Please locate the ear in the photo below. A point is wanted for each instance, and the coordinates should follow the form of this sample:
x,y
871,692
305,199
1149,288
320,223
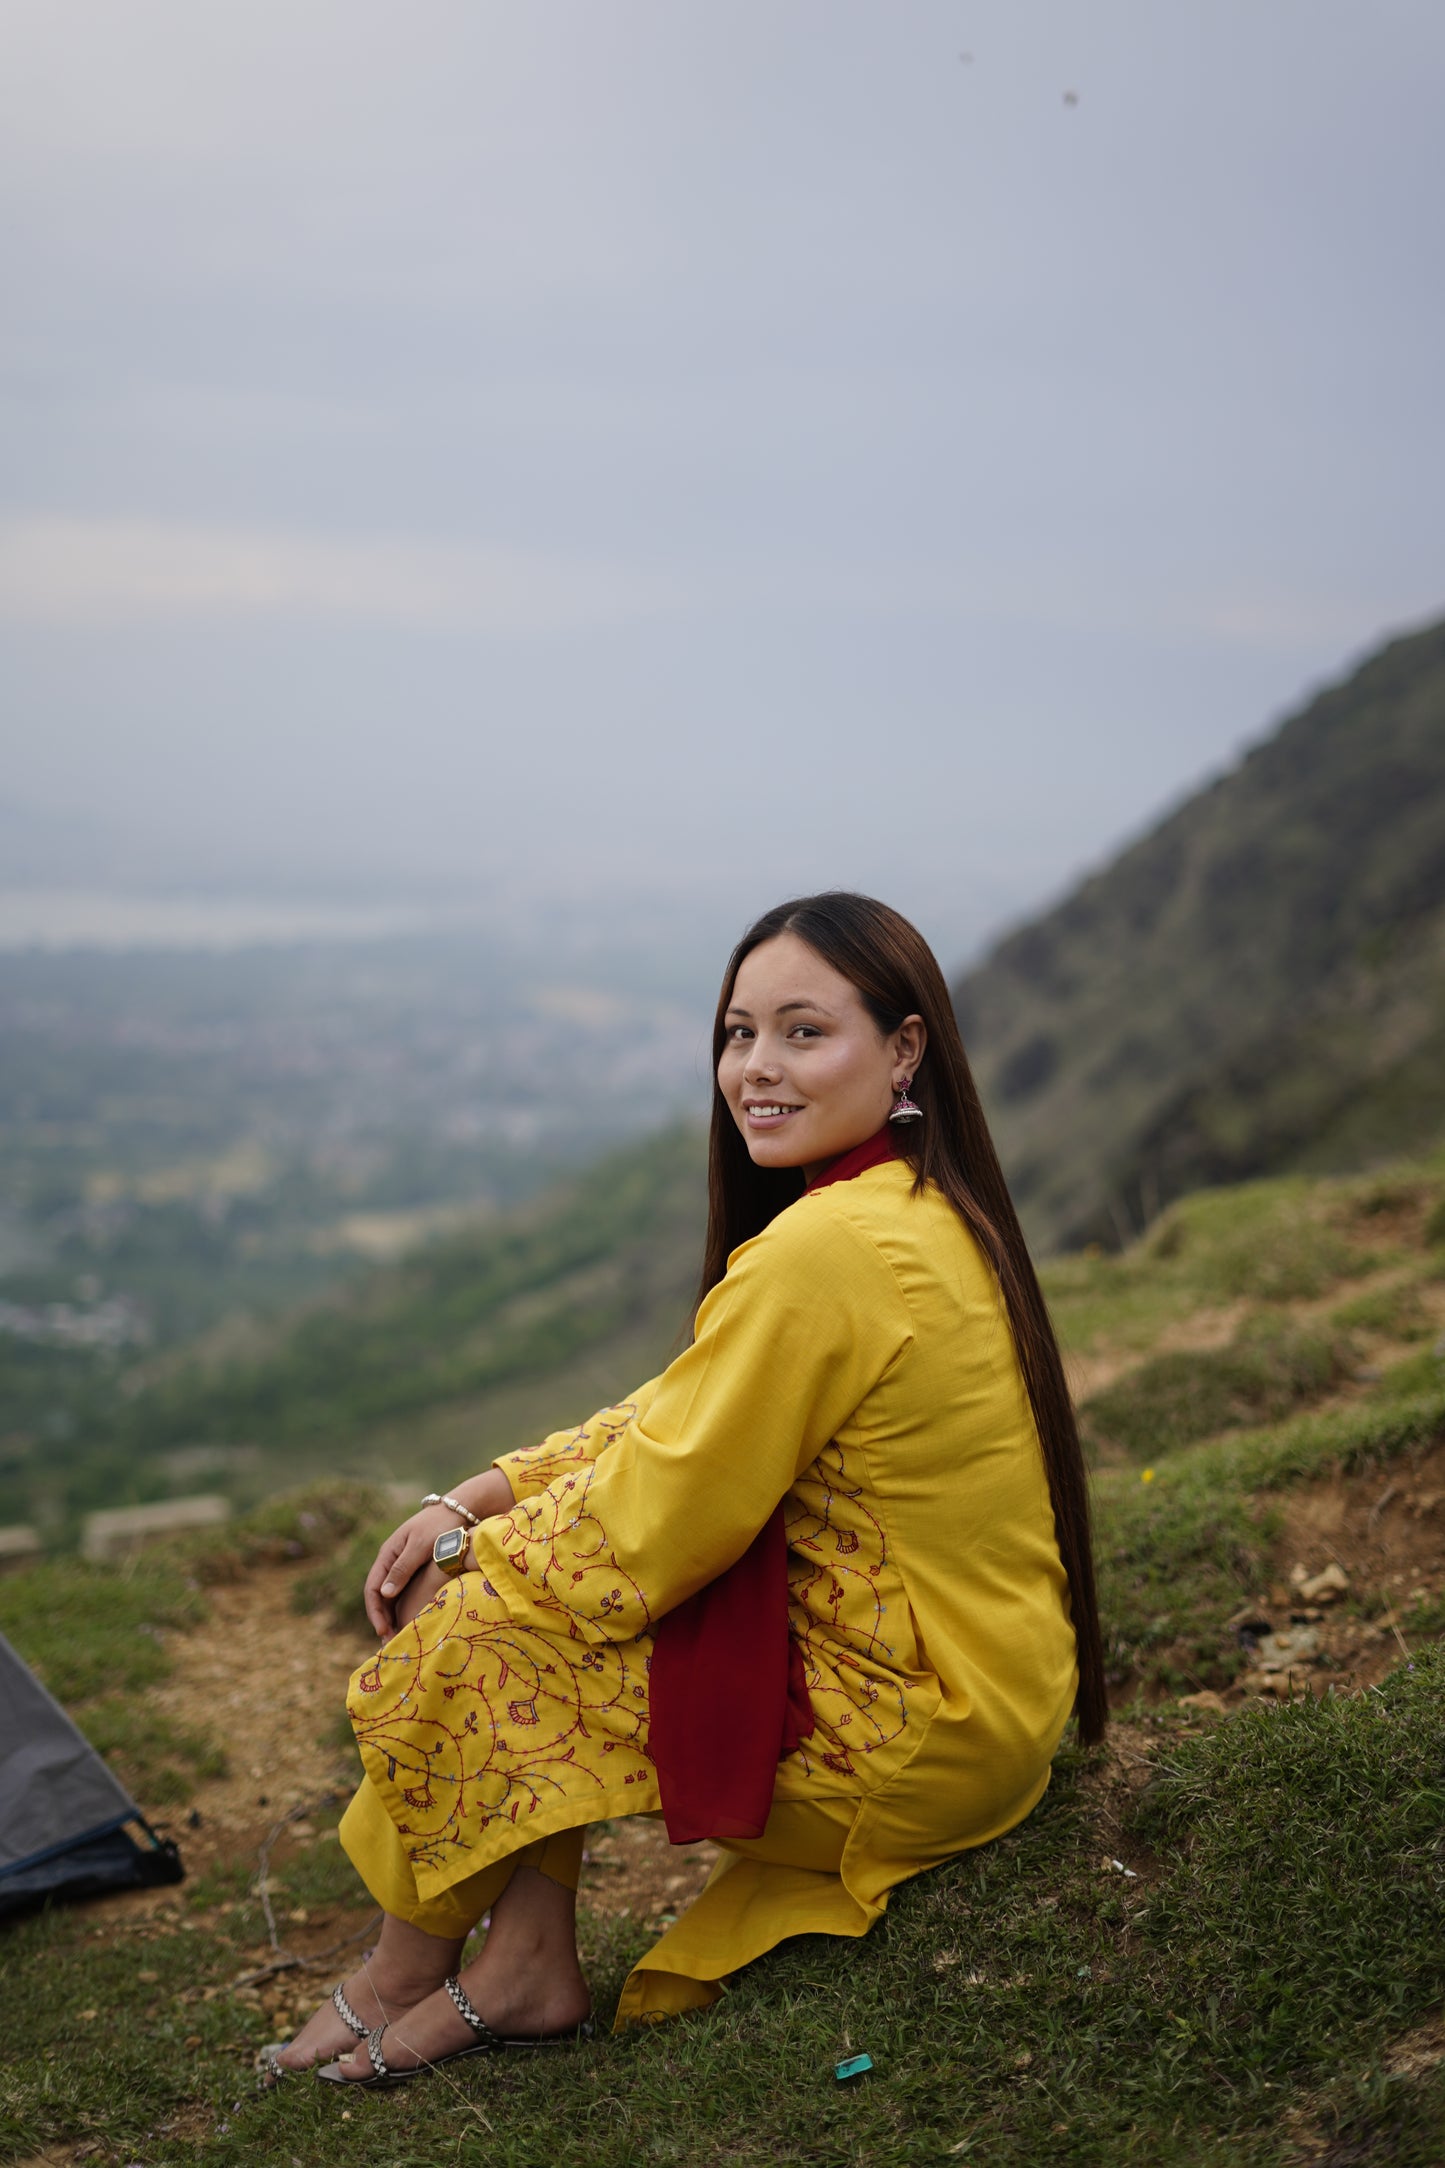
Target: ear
x,y
909,1043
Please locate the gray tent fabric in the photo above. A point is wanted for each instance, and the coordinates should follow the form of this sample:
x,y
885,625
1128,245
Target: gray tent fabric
x,y
61,1810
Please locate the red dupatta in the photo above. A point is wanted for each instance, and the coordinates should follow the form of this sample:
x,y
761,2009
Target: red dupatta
x,y
729,1697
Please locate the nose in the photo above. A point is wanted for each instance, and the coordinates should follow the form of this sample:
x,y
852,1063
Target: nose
x,y
759,1068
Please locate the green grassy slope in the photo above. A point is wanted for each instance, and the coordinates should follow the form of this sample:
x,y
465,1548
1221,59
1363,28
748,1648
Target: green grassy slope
x,y
1221,1940
1257,985
477,1342
1238,1982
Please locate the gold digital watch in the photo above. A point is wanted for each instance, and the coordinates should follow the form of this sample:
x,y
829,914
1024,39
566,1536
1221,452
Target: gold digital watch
x,y
449,1552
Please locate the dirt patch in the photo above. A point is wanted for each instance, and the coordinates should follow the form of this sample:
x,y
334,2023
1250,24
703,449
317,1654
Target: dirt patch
x,y
1419,2051
1201,1333
270,1683
1208,1329
1385,1530
1357,1584
632,1871
1415,2055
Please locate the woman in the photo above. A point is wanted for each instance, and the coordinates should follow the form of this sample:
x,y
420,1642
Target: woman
x,y
822,1591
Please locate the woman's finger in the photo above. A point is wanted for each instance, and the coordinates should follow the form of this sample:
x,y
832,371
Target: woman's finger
x,y
382,1563
412,1556
378,1608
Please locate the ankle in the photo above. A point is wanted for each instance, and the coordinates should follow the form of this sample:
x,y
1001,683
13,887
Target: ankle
x,y
392,1985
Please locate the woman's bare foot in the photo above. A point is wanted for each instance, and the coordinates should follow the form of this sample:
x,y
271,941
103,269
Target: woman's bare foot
x,y
436,2028
527,1984
403,1970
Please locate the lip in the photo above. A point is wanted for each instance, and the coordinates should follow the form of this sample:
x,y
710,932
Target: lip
x,y
757,1119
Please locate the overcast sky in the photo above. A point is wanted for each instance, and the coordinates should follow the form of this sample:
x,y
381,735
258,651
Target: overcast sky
x,y
671,451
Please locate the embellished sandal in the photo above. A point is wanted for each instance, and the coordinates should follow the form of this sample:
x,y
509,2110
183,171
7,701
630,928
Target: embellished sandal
x,y
270,2070
487,2042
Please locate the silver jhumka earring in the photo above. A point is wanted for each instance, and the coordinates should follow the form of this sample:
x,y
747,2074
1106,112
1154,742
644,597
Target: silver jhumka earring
x,y
903,1108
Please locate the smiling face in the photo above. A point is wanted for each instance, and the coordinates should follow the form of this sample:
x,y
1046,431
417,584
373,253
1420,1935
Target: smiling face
x,y
805,1071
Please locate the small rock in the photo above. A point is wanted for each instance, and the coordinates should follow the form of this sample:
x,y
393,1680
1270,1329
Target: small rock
x,y
1207,1699
1326,1586
1296,1645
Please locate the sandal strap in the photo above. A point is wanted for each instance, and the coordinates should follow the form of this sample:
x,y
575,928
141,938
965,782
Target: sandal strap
x,y
373,2049
479,2025
347,2015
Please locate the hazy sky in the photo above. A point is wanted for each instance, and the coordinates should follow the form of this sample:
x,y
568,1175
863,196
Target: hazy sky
x,y
687,451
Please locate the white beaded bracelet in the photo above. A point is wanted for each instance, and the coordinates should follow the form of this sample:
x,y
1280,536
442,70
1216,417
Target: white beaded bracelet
x,y
434,1498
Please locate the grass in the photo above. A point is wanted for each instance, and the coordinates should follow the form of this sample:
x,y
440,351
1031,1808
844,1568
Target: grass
x,y
1259,1246
1266,1371
91,1630
1028,2002
158,1760
1396,1312
96,1636
1282,1927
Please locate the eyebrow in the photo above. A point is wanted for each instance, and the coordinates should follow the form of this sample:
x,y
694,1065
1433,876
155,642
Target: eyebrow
x,y
784,1008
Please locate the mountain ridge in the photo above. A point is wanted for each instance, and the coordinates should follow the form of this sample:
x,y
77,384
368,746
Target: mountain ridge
x,y
1255,984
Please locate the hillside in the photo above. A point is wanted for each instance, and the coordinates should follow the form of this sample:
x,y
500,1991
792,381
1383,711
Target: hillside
x,y
1219,1939
483,1339
1257,985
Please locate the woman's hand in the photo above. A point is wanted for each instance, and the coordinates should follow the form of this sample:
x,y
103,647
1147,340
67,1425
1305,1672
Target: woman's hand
x,y
403,1577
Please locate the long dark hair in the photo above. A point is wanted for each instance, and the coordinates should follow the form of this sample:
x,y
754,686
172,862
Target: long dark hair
x,y
897,975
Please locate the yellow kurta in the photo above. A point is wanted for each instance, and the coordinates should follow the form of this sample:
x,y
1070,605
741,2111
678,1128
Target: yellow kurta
x,y
857,1362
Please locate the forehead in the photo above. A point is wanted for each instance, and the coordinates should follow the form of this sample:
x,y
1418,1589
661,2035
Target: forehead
x,y
785,969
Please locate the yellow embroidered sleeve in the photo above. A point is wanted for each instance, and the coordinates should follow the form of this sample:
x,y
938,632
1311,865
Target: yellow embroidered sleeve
x,y
533,1467
807,1320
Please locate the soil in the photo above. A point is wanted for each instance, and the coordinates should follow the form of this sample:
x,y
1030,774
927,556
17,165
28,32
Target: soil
x,y
1384,1529
1202,1332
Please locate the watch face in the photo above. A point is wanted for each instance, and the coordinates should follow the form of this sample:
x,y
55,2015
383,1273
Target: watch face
x,y
450,1545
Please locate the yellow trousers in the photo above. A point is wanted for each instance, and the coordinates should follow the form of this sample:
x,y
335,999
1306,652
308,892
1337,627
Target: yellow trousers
x,y
368,1836
807,1834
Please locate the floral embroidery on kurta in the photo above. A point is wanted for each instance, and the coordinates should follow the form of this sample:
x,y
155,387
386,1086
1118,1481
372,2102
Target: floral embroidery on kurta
x,y
842,1586
483,1721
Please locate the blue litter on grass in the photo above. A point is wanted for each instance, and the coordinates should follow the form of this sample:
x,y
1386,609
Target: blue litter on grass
x,y
854,2067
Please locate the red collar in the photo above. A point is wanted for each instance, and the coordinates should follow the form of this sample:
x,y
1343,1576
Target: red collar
x,y
872,1153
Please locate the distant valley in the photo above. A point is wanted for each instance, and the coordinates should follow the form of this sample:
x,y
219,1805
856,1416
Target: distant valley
x,y
381,1211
